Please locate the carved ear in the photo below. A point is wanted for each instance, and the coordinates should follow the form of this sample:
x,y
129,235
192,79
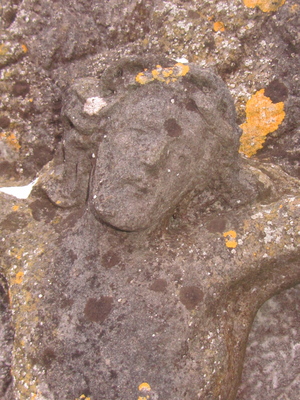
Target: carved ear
x,y
216,106
212,95
89,98
82,105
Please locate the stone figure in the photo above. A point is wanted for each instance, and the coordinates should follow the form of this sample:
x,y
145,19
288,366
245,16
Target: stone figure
x,y
164,244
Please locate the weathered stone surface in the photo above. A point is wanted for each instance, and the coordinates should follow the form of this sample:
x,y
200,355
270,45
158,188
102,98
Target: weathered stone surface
x,y
271,365
108,322
6,337
107,288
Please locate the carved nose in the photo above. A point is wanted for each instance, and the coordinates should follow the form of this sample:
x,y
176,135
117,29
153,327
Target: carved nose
x,y
154,157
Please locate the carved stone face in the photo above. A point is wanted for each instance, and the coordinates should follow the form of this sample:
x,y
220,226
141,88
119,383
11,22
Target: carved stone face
x,y
161,141
156,150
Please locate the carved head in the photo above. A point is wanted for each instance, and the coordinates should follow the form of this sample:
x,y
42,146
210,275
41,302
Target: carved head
x,y
161,140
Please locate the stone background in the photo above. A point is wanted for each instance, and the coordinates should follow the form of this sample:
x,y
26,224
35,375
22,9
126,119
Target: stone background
x,y
271,369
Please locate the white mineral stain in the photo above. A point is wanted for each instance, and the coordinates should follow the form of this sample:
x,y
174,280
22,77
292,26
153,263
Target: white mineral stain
x,y
257,215
20,192
93,105
181,60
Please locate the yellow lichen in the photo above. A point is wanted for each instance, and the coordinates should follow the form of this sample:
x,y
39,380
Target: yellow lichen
x,y
294,8
145,387
144,77
264,5
11,139
3,49
161,74
19,278
230,239
219,26
262,117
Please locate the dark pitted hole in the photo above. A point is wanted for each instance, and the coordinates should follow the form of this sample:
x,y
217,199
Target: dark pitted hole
x,y
43,209
173,128
97,310
190,296
159,285
276,91
48,357
4,121
9,17
20,88
113,374
110,259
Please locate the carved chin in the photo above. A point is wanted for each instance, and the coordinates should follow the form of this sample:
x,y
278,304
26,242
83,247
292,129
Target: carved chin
x,y
126,217
122,220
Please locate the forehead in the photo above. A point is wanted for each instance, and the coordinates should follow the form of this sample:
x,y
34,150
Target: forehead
x,y
156,107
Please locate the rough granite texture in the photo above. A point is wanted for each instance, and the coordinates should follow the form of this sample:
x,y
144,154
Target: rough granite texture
x,y
117,280
271,367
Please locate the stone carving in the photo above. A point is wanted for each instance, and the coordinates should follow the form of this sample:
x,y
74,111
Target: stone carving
x,y
164,245
150,146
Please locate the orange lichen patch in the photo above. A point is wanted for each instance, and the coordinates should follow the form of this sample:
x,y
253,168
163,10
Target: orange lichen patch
x,y
161,74
144,387
24,48
294,8
264,5
83,397
230,239
144,77
219,26
262,117
19,278
11,139
15,208
3,49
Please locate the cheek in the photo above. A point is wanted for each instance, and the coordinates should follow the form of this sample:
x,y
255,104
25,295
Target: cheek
x,y
155,169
